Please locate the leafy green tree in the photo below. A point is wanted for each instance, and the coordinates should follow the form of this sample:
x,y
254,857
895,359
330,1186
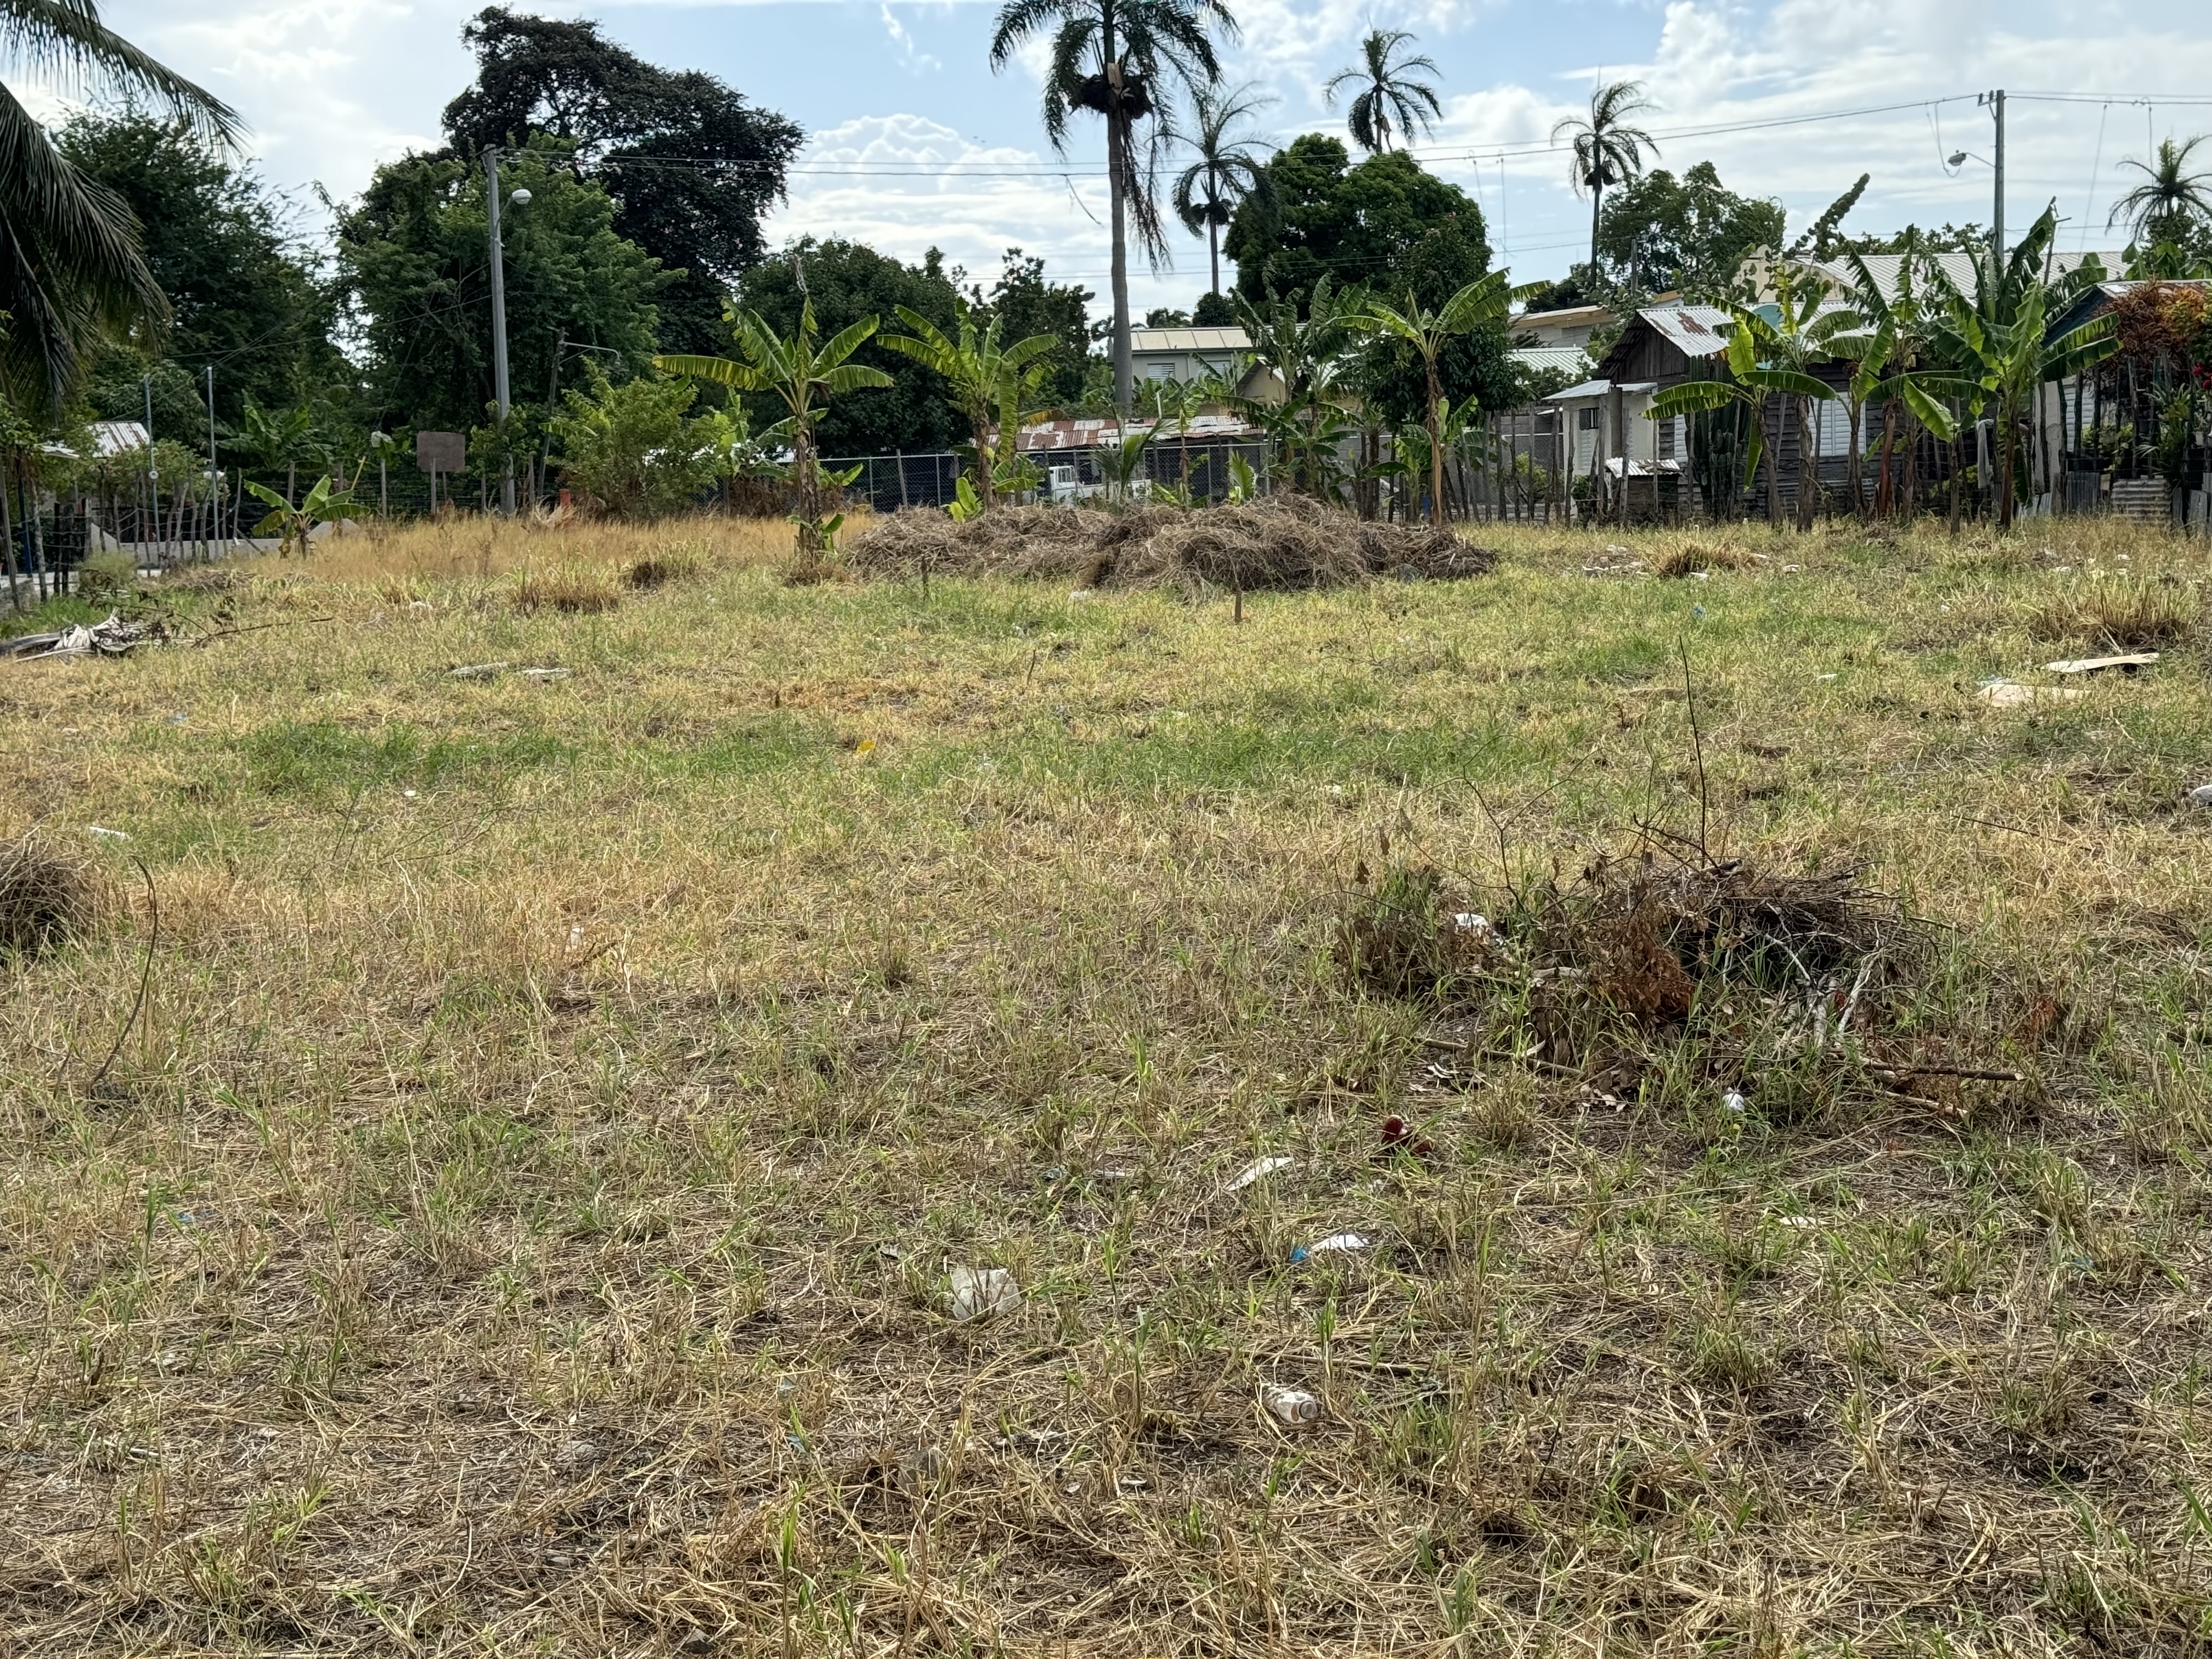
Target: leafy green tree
x,y
295,526
629,445
1112,58
1604,148
690,165
804,377
277,441
1390,84
414,264
1206,191
1484,301
1022,302
982,376
243,295
72,258
912,410
1689,234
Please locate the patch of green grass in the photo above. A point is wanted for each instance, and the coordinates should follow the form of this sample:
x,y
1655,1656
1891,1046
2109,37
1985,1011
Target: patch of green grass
x,y
321,758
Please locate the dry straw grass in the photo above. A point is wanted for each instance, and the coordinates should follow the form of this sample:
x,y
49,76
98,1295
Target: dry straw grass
x,y
45,898
1287,542
524,1216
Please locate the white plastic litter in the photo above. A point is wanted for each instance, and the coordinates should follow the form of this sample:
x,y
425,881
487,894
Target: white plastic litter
x,y
2202,794
1294,1408
980,1293
1335,1243
1258,1169
101,832
1733,1101
476,671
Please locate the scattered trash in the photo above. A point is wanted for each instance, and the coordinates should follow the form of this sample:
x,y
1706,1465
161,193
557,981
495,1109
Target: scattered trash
x,y
980,1293
543,673
1733,1101
2127,664
180,719
112,638
1335,1243
2202,794
1791,569
575,1454
1294,1408
421,608
407,794
1467,922
1258,1169
1398,1138
1824,676
476,671
101,832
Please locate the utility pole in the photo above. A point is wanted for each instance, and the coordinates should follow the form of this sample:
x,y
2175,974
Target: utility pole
x,y
215,477
498,323
1997,215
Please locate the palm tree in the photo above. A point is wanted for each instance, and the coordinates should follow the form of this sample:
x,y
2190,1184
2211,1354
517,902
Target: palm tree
x,y
1108,57
981,374
1486,299
1606,150
1388,86
2170,196
1227,169
71,267
801,375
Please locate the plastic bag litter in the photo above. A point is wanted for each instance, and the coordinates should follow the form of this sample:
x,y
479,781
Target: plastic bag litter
x,y
1258,1169
1335,1243
981,1293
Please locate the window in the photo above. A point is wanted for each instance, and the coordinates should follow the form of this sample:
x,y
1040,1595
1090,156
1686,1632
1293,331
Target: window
x,y
1586,419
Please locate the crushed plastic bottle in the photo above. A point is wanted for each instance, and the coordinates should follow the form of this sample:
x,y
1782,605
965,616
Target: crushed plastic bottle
x,y
1335,1243
1294,1408
981,1293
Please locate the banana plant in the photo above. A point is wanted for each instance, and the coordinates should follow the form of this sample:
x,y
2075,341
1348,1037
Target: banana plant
x,y
1486,300
983,376
294,525
1766,358
805,377
1123,463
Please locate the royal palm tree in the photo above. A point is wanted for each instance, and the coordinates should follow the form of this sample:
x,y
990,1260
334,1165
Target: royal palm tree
x,y
2170,195
1389,85
805,377
1109,57
71,266
1606,150
1227,169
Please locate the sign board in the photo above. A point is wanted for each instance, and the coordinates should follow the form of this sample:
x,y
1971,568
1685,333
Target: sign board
x,y
441,452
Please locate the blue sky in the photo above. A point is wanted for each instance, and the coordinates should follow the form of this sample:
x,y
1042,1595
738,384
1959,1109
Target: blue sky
x,y
333,87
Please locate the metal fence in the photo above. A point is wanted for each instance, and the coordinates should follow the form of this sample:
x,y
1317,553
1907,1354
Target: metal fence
x,y
888,482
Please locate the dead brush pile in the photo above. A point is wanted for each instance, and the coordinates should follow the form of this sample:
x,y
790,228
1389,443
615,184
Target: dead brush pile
x,y
1285,542
1710,979
45,899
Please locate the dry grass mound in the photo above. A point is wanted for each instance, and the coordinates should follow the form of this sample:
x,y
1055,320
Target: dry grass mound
x,y
2134,614
1284,542
680,561
45,899
578,589
1697,558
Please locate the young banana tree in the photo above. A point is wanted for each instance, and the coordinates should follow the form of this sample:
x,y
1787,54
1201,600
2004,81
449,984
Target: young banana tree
x,y
804,377
982,374
1486,300
1896,354
1996,338
294,525
1762,362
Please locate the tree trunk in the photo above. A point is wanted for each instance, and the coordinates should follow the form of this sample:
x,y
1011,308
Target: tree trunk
x,y
2007,433
8,536
1117,142
1774,465
1884,491
1436,455
1213,251
980,426
291,482
1597,195
1858,480
810,489
1958,458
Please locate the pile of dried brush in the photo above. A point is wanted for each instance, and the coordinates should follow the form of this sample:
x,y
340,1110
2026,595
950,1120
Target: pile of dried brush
x,y
1285,541
1664,959
45,899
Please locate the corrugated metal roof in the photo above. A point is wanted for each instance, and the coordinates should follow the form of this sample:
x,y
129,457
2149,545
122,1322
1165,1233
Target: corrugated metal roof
x,y
1956,264
1188,339
1097,433
1694,331
1572,359
1599,389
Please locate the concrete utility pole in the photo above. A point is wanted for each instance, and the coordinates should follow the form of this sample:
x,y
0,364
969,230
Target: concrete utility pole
x,y
214,476
498,320
1997,215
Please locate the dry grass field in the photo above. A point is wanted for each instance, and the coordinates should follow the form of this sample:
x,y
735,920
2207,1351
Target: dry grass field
x,y
527,1212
